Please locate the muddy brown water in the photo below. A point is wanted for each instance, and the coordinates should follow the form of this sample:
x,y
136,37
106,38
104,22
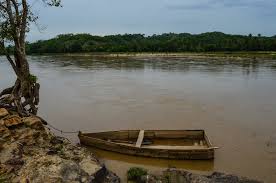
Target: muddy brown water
x,y
233,100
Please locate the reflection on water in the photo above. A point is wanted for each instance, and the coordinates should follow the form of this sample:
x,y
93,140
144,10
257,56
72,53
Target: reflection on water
x,y
214,65
124,162
232,99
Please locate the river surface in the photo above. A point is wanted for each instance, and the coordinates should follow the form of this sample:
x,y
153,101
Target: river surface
x,y
233,100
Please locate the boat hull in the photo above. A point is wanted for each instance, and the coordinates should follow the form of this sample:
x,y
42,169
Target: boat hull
x,y
185,154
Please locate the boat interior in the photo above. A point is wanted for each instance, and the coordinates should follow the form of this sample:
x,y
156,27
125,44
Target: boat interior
x,y
157,139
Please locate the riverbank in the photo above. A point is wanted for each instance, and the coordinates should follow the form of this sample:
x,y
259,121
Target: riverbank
x,y
192,55
31,153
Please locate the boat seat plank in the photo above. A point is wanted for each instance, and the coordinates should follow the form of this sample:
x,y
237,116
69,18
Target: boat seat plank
x,y
174,147
140,138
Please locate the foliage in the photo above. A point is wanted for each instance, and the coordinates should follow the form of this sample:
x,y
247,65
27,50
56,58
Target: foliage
x,y
183,42
33,78
135,173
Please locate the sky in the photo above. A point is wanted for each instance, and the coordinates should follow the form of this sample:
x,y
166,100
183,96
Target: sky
x,y
105,17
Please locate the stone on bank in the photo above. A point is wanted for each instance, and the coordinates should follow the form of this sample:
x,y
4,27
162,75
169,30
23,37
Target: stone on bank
x,y
31,153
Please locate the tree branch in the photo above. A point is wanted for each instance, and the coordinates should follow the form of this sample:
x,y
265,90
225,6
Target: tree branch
x,y
3,7
23,22
11,18
15,5
2,46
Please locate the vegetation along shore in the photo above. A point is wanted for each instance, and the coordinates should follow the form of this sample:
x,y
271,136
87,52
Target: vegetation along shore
x,y
188,55
164,43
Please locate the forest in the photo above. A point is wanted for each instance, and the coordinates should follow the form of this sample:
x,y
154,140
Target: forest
x,y
169,42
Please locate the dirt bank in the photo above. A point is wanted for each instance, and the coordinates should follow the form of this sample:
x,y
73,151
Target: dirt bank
x,y
31,153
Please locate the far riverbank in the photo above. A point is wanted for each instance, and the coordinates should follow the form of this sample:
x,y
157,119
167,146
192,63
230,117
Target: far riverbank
x,y
233,55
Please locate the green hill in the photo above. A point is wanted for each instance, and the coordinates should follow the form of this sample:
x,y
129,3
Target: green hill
x,y
183,42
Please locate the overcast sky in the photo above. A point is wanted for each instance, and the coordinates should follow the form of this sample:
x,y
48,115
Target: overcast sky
x,y
102,17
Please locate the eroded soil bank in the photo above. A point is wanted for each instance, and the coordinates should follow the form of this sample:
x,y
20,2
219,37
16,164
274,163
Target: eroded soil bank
x,y
31,153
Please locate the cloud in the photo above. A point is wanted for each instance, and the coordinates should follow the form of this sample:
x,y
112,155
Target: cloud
x,y
213,4
248,3
188,5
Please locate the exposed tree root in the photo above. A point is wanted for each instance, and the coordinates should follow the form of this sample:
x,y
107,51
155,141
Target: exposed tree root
x,y
23,97
6,91
15,19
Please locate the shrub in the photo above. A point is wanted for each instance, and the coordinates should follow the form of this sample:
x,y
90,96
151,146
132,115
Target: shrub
x,y
136,173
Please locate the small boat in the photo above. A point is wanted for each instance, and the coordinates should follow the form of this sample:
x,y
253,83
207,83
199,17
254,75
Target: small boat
x,y
170,144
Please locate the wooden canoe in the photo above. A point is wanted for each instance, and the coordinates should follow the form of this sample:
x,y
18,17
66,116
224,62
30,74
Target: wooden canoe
x,y
170,144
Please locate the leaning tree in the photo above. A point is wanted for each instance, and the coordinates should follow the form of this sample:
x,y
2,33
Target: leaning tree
x,y
15,19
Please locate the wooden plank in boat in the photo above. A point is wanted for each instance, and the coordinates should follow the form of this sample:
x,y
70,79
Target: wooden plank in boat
x,y
190,134
175,147
140,138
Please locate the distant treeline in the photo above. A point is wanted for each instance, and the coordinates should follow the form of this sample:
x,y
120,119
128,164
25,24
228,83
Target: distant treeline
x,y
183,42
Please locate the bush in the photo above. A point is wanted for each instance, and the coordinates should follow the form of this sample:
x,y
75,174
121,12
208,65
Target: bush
x,y
136,173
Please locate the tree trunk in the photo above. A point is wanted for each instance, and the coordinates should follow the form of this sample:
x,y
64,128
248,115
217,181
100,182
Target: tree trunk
x,y
24,95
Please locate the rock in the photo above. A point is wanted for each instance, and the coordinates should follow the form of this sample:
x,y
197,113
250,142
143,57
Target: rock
x,y
56,140
2,123
54,168
43,169
14,161
105,176
181,176
83,179
24,180
225,178
4,131
13,120
4,173
70,171
173,175
52,151
29,137
3,112
2,142
89,166
7,153
33,122
29,152
150,179
2,169
112,178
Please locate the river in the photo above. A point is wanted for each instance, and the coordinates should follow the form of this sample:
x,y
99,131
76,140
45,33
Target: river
x,y
234,100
